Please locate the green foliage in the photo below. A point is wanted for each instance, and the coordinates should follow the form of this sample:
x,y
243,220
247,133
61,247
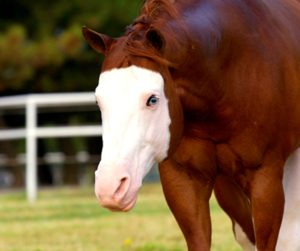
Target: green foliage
x,y
41,46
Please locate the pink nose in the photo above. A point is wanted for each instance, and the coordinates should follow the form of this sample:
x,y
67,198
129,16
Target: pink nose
x,y
112,192
117,196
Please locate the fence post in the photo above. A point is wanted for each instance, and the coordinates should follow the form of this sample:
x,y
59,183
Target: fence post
x,y
31,150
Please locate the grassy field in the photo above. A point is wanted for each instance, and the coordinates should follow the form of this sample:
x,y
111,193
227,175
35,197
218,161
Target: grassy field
x,y
70,219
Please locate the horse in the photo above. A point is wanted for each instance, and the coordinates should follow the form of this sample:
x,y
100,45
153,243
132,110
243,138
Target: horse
x,y
210,90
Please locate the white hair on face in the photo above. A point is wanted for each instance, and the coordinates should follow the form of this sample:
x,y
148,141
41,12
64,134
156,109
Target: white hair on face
x,y
132,131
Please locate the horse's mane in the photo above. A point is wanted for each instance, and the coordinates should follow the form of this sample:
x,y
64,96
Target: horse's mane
x,y
155,14
158,9
216,27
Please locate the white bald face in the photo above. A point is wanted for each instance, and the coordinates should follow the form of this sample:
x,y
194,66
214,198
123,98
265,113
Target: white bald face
x,y
135,120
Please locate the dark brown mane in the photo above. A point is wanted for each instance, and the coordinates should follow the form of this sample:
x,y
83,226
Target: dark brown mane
x,y
155,14
136,48
158,9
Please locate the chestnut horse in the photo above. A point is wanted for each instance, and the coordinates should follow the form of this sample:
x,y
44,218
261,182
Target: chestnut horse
x,y
210,89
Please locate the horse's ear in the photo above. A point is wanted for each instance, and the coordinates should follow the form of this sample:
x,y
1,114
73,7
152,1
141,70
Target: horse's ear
x,y
156,39
99,42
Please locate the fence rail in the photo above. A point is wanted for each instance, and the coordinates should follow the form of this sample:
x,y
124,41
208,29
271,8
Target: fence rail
x,y
31,103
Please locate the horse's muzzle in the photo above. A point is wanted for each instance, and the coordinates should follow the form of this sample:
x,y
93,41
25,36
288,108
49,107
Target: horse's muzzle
x,y
113,192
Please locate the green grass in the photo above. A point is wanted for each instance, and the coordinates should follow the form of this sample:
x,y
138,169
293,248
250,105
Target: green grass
x,y
70,219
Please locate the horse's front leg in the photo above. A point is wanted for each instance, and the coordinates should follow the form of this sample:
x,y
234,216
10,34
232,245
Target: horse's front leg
x,y
236,204
187,190
267,200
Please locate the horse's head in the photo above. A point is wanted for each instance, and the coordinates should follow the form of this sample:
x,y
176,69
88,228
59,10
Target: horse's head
x,y
141,114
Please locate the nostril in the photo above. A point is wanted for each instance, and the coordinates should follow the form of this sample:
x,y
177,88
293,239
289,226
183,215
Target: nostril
x,y
122,189
124,179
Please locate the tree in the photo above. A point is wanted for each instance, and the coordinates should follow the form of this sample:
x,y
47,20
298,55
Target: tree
x,y
42,49
41,46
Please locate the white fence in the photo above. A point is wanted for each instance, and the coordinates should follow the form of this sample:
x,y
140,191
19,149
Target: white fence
x,y
31,132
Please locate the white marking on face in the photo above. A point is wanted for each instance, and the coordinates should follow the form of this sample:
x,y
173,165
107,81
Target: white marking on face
x,y
135,120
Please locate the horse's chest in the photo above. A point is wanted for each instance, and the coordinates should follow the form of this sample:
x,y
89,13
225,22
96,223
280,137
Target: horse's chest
x,y
227,160
231,164
240,152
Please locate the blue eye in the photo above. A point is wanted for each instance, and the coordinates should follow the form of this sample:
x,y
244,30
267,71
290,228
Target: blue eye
x,y
152,100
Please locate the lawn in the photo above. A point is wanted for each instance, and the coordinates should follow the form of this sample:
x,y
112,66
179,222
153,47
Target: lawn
x,y
70,219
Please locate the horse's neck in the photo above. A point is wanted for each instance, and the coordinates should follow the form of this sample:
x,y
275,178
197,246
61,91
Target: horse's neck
x,y
197,97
